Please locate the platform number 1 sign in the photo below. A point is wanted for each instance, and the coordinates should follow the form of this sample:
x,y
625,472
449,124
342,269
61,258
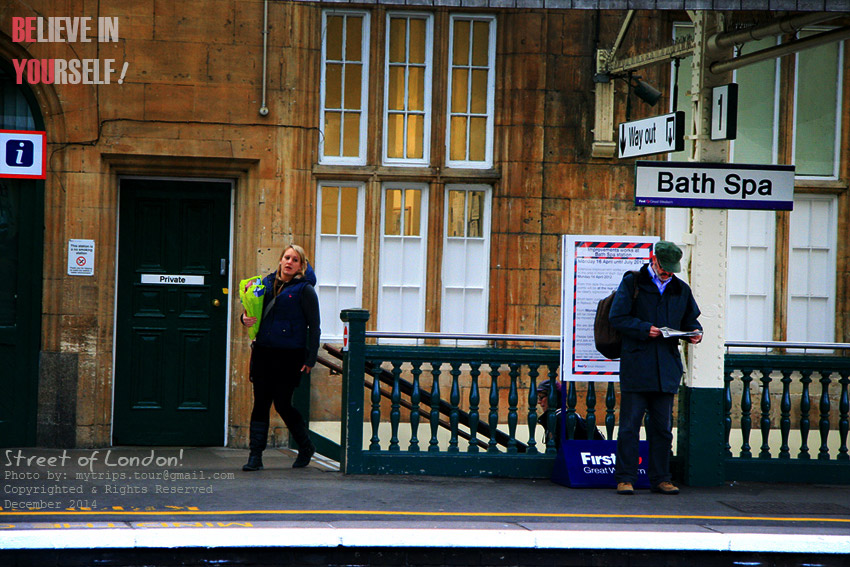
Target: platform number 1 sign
x,y
724,112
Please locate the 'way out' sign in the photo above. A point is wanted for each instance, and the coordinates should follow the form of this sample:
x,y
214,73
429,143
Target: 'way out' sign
x,y
714,185
655,135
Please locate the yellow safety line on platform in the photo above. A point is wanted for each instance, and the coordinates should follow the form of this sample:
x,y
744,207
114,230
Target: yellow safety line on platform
x,y
409,513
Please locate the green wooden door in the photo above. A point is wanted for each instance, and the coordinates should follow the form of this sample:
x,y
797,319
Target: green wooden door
x,y
173,259
21,236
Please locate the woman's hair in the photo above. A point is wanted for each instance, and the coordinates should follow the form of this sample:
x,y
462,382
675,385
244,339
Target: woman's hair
x,y
301,254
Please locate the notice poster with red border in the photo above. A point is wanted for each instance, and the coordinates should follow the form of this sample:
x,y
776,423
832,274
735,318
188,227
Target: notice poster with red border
x,y
591,268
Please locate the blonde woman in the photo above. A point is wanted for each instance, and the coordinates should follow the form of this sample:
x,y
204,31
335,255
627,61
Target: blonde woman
x,y
285,348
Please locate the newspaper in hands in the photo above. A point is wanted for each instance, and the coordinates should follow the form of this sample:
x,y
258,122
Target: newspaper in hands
x,y
669,333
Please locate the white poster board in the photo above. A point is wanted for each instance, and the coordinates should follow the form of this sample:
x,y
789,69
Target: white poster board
x,y
591,268
80,257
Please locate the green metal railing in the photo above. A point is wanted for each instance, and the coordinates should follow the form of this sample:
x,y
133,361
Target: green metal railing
x,y
396,398
787,402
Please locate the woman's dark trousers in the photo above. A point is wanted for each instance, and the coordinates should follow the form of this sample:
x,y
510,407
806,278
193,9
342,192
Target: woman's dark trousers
x,y
274,380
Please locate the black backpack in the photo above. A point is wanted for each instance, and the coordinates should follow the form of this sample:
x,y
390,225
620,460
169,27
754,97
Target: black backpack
x,y
607,338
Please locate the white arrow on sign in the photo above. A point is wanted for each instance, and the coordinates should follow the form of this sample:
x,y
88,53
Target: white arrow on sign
x,y
656,135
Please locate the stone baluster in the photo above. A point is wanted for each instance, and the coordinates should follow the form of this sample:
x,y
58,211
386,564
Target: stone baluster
x,y
805,408
764,422
395,406
785,416
823,423
746,415
493,418
454,403
375,414
513,400
474,400
415,418
533,373
434,443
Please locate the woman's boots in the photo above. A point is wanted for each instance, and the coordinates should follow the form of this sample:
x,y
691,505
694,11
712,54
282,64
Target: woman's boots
x,y
305,447
258,435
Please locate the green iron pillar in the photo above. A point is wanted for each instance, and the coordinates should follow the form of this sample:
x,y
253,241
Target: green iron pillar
x,y
353,369
700,438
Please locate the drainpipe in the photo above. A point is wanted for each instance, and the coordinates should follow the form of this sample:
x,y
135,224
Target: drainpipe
x,y
264,110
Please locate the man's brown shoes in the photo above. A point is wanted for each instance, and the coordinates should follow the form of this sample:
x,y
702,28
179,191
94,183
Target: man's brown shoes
x,y
625,488
665,488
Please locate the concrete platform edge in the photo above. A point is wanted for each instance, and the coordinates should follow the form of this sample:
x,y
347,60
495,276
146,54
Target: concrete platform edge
x,y
127,536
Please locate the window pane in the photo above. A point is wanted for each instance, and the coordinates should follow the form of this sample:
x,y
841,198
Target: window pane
x,y
398,40
354,38
348,211
351,140
416,88
353,84
756,104
460,48
395,88
412,211
817,91
344,67
465,261
478,100
481,38
460,93
457,144
329,209
333,86
812,264
476,208
415,133
333,49
471,95
392,212
477,138
683,101
332,133
456,209
417,41
395,136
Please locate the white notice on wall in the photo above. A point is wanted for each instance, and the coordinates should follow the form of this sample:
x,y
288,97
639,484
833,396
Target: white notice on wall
x,y
591,268
80,257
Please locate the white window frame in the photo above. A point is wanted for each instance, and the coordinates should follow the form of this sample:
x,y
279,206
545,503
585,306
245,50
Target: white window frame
x,y
491,94
360,159
429,74
481,325
333,330
839,94
774,150
738,321
794,271
414,322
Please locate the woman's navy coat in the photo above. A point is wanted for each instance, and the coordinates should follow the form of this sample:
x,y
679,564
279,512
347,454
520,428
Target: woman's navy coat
x,y
652,365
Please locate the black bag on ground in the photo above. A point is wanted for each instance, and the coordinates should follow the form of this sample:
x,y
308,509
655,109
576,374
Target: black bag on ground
x,y
607,339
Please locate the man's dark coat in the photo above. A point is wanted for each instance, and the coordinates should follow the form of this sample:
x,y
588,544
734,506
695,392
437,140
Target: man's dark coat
x,y
652,364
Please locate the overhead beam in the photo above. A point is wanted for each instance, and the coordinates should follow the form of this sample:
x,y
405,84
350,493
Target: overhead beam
x,y
678,50
780,50
786,25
